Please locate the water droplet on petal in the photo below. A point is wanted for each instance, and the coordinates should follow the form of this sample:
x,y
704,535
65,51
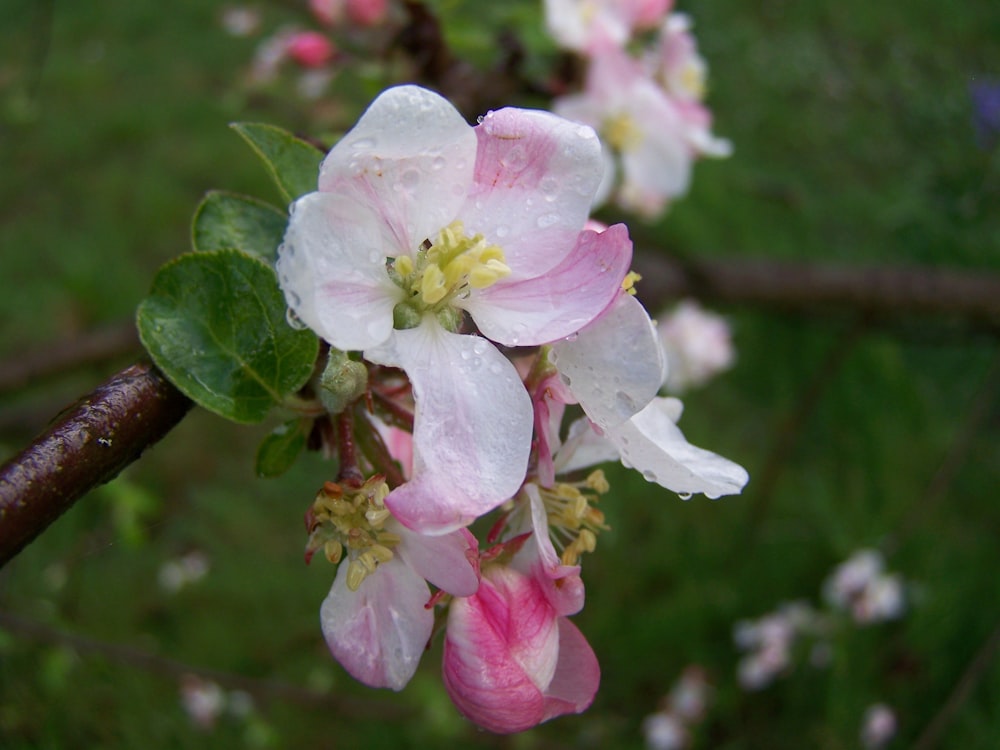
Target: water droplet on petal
x,y
479,346
363,144
438,163
502,231
547,220
410,179
684,495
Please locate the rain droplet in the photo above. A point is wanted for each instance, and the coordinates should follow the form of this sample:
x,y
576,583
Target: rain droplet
x,y
363,143
438,163
502,231
294,298
410,179
550,188
514,158
479,346
684,495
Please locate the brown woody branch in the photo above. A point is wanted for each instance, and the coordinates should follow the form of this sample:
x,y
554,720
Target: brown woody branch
x,y
89,445
882,292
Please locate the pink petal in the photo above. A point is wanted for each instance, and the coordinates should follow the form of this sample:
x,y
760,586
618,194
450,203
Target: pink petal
x,y
378,633
472,427
615,365
449,561
500,652
413,156
652,443
561,301
331,267
535,177
577,677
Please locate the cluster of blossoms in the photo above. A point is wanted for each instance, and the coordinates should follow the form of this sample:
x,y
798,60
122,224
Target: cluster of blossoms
x,y
313,51
485,355
861,587
647,104
681,710
857,586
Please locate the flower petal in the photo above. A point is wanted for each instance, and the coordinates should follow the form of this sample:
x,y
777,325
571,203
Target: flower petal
x,y
331,267
561,301
472,427
449,561
614,366
500,652
378,633
651,443
535,178
413,155
577,676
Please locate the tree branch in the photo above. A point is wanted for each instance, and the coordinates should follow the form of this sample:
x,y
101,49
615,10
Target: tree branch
x,y
810,287
89,445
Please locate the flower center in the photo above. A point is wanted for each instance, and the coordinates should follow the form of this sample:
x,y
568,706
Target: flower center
x,y
353,519
573,519
444,270
622,133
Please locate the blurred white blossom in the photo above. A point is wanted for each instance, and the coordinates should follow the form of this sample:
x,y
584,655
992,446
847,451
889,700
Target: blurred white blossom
x,y
878,726
698,345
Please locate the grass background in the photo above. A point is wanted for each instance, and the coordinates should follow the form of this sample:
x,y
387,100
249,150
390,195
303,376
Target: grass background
x,y
854,143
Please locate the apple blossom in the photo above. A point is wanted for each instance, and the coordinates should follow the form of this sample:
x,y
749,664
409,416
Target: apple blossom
x,y
878,726
374,619
511,660
421,220
698,344
654,134
582,25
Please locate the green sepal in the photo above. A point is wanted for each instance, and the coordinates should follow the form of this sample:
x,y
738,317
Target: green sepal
x,y
278,451
293,163
215,324
228,220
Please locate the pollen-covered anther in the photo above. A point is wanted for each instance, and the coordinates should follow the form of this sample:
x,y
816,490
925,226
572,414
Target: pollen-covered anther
x,y
453,263
353,520
628,283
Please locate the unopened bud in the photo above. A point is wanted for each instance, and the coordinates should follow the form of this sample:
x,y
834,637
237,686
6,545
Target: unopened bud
x,y
342,382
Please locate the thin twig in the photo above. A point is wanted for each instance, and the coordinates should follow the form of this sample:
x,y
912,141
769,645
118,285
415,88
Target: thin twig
x,y
791,427
90,444
57,357
963,690
261,689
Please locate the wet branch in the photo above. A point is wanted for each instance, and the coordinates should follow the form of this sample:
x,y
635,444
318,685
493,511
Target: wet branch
x,y
88,445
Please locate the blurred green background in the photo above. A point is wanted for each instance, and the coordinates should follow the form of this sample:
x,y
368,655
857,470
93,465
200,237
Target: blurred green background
x,y
852,126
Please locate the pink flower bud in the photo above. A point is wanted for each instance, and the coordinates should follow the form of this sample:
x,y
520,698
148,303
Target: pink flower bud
x,y
510,662
310,49
367,12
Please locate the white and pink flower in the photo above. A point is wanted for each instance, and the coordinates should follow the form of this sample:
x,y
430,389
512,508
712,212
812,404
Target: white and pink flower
x,y
583,25
421,220
512,659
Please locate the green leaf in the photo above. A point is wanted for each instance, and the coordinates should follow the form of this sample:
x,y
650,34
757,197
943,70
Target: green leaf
x,y
214,323
293,163
279,450
227,220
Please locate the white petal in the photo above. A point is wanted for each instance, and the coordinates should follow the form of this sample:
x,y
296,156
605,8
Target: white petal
x,y
615,365
331,268
378,633
414,155
651,443
472,427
